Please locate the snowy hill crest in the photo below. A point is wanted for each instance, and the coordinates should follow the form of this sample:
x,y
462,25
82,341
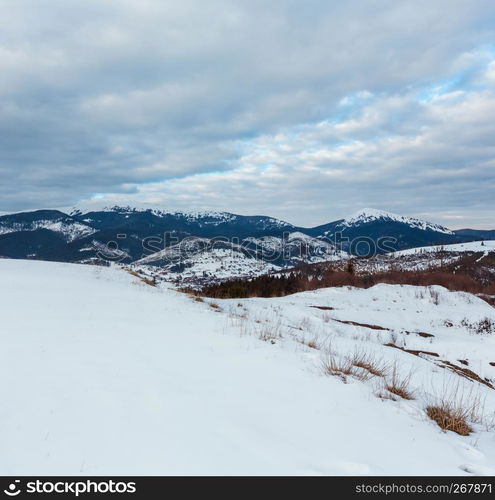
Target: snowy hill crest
x,y
368,215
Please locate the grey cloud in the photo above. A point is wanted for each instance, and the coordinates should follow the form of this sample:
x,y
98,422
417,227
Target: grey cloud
x,y
159,102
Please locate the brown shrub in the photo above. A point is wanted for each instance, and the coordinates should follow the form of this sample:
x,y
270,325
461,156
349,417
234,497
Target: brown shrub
x,y
311,278
450,418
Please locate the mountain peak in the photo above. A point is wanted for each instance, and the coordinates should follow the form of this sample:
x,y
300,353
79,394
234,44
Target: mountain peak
x,y
372,213
367,215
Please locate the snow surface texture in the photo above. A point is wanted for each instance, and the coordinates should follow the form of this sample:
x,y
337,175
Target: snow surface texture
x,y
104,374
372,214
473,246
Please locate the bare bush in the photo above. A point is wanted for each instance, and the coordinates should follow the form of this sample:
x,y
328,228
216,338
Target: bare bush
x,y
485,326
435,296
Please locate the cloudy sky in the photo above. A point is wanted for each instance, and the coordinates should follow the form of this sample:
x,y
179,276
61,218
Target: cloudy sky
x,y
307,111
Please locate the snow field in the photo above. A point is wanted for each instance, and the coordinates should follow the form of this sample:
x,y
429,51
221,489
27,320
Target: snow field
x,y
103,374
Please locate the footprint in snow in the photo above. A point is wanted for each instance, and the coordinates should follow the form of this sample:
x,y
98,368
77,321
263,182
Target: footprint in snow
x,y
478,470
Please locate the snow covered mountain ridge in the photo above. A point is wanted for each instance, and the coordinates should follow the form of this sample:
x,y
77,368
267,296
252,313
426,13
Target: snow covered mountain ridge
x,y
213,217
368,215
80,236
207,217
363,216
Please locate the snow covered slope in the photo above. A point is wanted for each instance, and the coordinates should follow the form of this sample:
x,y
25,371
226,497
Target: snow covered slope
x,y
104,374
207,260
57,222
472,246
203,267
295,248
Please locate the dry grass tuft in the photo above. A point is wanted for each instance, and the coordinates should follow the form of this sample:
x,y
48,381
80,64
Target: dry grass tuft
x,y
361,366
270,332
398,384
450,418
457,408
370,364
336,366
312,344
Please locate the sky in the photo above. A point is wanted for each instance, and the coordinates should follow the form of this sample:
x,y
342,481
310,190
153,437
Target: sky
x,y
305,111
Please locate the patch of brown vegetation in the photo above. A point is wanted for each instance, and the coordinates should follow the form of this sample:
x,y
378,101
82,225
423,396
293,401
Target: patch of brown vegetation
x,y
312,343
145,280
465,275
370,364
424,334
416,352
338,367
449,418
365,325
149,282
466,373
399,384
323,308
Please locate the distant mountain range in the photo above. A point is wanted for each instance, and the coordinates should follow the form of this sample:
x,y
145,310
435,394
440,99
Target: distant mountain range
x,y
132,235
